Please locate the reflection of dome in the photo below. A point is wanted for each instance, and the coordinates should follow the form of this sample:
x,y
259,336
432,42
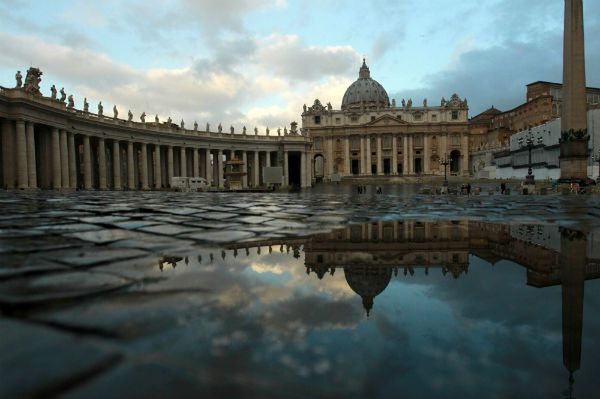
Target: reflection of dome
x,y
368,282
365,90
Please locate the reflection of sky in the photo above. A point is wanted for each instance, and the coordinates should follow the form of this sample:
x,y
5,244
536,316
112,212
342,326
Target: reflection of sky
x,y
267,325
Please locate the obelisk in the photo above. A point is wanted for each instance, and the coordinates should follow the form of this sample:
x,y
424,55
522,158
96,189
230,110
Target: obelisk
x,y
574,137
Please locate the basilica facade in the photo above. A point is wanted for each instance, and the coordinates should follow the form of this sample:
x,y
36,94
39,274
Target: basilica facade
x,y
371,136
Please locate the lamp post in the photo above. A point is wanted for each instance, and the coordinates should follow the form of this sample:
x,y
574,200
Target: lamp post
x,y
445,161
529,143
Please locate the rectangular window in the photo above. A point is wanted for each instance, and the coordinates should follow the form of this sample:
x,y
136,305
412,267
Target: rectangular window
x,y
318,144
354,118
455,140
418,141
355,143
338,120
417,116
317,119
454,115
434,117
387,142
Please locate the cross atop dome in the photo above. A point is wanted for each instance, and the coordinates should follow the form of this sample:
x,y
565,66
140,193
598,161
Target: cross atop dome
x,y
364,72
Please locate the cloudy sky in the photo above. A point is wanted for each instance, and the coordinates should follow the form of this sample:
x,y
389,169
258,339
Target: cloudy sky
x,y
255,62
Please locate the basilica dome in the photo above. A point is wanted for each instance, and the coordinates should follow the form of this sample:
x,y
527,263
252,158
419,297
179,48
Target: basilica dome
x,y
365,90
368,282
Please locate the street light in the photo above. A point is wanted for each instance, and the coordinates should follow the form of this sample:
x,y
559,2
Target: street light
x,y
445,161
530,144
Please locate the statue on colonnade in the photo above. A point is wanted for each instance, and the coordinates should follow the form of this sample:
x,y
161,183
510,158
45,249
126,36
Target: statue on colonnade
x,y
182,124
129,116
100,109
32,81
86,105
115,112
244,130
169,121
19,79
53,92
143,117
285,131
156,119
220,128
403,103
425,103
279,131
232,129
71,103
208,127
268,131
409,103
195,126
63,95
255,131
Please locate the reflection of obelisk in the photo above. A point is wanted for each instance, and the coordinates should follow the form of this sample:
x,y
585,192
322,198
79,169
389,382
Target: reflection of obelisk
x,y
574,140
572,263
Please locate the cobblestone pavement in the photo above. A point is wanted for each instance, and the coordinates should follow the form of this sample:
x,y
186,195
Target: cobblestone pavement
x,y
78,272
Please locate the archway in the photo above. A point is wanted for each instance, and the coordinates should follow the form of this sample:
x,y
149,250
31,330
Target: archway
x,y
455,161
294,166
418,166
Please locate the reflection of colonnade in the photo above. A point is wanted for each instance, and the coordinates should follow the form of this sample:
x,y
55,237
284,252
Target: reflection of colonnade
x,y
47,144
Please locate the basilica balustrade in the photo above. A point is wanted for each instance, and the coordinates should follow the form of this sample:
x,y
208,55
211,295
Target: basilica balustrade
x,y
48,144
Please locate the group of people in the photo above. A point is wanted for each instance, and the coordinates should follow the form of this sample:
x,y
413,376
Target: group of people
x,y
363,189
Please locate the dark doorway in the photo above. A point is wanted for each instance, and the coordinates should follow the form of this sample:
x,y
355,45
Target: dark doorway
x,y
294,169
418,166
387,166
373,169
455,161
355,167
400,169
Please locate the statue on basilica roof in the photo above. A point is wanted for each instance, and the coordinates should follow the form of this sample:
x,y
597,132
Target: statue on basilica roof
x,y
53,92
19,79
182,124
86,105
329,106
425,103
63,95
220,128
403,103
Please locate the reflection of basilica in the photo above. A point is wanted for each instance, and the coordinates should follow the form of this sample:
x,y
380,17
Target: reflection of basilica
x,y
371,254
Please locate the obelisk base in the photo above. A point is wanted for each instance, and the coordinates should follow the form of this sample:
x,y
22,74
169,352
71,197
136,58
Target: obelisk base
x,y
574,159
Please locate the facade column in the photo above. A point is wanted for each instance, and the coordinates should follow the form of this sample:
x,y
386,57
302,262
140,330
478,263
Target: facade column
x,y
369,167
362,156
144,170
8,153
72,160
87,163
196,162
286,172
130,166
256,169
183,163
426,153
117,165
64,159
331,163
394,154
21,153
209,169
405,166
411,154
379,156
465,155
245,169
31,158
170,166
101,165
157,168
219,163
347,156
303,177
56,172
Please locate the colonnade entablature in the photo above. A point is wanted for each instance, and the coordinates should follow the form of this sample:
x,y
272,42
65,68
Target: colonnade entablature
x,y
47,143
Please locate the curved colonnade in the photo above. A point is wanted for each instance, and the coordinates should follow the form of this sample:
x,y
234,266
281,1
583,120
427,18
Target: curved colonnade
x,y
46,145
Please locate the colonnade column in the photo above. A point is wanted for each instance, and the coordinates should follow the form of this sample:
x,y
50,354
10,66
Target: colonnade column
x,y
64,159
411,146
145,167
363,154
426,155
170,165
330,157
268,159
101,165
379,156
347,156
130,167
286,171
87,163
183,164
209,171
394,154
72,160
245,169
219,165
196,163
157,168
369,167
405,165
117,165
56,172
31,163
303,178
256,169
21,153
8,153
